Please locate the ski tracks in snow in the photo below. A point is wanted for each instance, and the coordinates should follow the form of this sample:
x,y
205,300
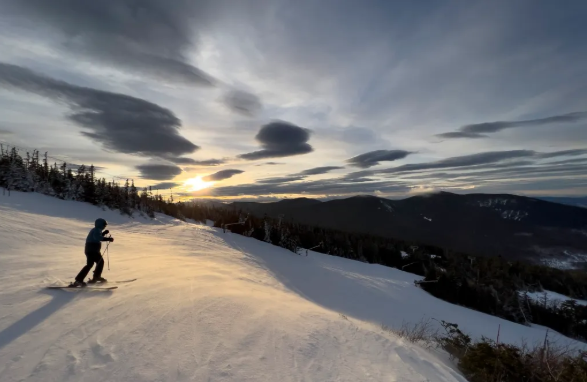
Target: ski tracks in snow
x,y
205,307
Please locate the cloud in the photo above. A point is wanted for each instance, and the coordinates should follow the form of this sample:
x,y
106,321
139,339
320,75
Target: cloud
x,y
461,134
462,172
575,152
360,180
221,175
319,187
360,136
463,161
569,161
206,162
165,185
280,139
181,160
119,122
478,130
5,132
351,176
320,170
284,179
209,162
153,37
270,164
532,176
431,173
373,158
491,161
560,171
242,102
158,171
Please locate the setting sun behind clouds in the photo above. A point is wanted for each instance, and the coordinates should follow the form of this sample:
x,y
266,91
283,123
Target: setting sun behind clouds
x,y
197,184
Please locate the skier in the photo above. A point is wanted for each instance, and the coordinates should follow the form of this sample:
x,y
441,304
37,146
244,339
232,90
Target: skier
x,y
93,255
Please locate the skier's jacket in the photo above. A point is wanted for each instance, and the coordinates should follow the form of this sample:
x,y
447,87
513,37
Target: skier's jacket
x,y
95,237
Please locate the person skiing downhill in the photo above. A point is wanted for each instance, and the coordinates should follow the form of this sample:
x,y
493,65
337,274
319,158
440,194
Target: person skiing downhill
x,y
92,250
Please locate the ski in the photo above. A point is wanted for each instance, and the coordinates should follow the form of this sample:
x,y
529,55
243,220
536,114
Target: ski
x,y
113,282
86,287
122,281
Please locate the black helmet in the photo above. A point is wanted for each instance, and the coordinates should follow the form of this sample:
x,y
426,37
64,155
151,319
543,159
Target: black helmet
x,y
100,223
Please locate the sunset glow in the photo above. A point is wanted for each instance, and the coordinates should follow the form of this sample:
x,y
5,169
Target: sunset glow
x,y
197,184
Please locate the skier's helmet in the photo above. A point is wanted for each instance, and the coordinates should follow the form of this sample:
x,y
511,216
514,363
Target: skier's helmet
x,y
100,223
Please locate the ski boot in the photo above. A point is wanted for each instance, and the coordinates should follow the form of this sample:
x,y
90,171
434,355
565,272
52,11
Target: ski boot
x,y
77,284
97,280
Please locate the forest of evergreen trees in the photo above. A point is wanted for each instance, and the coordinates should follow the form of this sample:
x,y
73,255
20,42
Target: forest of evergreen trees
x,y
492,285
31,174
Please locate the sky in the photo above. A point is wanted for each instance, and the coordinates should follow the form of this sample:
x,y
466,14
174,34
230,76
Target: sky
x,y
270,99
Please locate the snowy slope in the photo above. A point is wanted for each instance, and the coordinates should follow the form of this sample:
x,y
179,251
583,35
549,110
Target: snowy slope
x,y
552,297
207,306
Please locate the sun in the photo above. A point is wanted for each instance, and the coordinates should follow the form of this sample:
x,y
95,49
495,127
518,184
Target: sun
x,y
197,184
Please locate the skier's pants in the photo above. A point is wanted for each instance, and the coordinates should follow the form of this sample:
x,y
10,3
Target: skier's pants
x,y
92,256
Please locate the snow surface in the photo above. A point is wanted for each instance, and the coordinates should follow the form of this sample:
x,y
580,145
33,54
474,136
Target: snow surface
x,y
552,297
207,306
571,261
505,213
387,206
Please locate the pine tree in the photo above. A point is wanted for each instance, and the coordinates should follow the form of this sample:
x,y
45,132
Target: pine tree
x,y
267,228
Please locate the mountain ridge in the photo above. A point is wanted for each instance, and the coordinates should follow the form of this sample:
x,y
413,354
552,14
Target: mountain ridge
x,y
480,224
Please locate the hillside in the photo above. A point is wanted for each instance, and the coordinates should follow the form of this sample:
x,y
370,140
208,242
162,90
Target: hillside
x,y
206,306
576,201
480,224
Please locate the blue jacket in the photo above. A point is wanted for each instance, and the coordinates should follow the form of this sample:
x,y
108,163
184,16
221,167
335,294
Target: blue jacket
x,y
95,236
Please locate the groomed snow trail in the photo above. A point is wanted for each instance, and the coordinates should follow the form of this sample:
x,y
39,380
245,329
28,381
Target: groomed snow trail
x,y
207,306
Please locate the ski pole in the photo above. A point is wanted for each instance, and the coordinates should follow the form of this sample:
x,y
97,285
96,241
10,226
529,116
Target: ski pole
x,y
107,253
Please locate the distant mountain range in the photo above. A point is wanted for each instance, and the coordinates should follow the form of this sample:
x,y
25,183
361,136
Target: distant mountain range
x,y
512,226
577,202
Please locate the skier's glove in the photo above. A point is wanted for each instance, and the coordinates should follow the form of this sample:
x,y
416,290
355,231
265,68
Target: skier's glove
x,y
105,233
111,239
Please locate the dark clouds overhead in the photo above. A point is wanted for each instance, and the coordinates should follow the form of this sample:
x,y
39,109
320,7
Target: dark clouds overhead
x,y
158,171
480,129
270,164
554,154
221,175
360,136
494,169
165,185
280,139
209,162
569,161
242,102
505,175
299,176
279,180
526,58
151,36
320,170
205,162
463,161
461,134
119,122
181,160
319,187
489,170
374,157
